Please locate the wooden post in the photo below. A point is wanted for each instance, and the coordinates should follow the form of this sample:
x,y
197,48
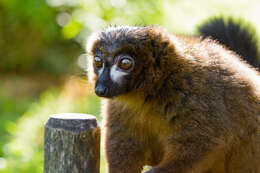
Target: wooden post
x,y
71,144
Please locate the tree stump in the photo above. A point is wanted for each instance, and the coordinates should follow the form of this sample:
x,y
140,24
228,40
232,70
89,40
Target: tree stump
x,y
71,144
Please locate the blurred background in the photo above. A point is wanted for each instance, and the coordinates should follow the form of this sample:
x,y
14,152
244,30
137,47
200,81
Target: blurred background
x,y
42,69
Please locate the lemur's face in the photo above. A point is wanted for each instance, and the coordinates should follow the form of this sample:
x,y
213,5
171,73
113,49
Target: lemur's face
x,y
114,64
124,59
113,73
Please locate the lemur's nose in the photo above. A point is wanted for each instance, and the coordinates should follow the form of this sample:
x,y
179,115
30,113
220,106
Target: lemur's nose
x,y
101,90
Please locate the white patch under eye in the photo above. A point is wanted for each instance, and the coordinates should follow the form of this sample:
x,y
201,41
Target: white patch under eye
x,y
116,75
100,71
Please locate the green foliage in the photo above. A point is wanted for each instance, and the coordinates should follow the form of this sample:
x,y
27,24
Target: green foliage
x,y
10,109
87,16
30,39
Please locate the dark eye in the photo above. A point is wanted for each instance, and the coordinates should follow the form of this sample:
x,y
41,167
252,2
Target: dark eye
x,y
125,64
98,62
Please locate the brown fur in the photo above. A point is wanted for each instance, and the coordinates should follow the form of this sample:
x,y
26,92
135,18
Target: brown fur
x,y
193,107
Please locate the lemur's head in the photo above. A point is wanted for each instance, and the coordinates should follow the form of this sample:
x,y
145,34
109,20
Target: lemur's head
x,y
124,59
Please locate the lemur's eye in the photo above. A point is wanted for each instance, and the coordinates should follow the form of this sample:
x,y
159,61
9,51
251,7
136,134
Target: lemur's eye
x,y
98,62
125,64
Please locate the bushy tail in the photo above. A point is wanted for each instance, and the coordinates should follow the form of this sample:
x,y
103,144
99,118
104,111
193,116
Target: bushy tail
x,y
237,35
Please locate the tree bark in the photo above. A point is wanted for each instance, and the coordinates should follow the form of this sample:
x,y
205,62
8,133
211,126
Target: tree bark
x,y
71,144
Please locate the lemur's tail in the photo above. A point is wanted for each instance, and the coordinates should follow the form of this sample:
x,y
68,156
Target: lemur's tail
x,y
237,35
